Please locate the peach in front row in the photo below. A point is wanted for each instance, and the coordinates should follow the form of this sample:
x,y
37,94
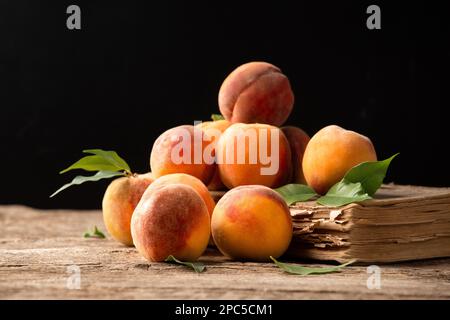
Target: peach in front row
x,y
252,223
171,220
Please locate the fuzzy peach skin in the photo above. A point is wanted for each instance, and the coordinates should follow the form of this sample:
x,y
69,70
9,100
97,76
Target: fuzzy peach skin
x,y
182,178
216,183
119,201
331,152
233,173
256,92
252,223
298,139
171,220
168,143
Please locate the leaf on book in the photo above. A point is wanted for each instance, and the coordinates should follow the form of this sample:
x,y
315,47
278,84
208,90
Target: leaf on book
x,y
293,192
304,271
81,179
343,193
370,174
196,266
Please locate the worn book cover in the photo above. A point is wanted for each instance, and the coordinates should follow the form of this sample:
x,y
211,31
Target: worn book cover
x,y
401,223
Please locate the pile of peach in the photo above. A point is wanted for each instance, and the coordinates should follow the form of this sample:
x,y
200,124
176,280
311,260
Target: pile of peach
x,y
170,211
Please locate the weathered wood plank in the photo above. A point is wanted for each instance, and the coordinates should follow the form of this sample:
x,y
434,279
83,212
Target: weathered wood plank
x,y
38,246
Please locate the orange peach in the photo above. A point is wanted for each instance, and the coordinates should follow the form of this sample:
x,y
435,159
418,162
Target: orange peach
x,y
298,139
252,223
331,152
181,150
256,92
120,199
182,178
253,154
171,220
219,126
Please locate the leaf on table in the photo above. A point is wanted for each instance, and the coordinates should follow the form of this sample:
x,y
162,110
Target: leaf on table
x,y
81,179
293,192
196,266
96,234
217,117
304,271
343,193
370,174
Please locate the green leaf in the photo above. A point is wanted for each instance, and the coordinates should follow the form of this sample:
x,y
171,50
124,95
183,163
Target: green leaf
x,y
96,234
100,160
369,174
92,163
343,193
292,193
81,179
196,266
217,117
112,157
304,271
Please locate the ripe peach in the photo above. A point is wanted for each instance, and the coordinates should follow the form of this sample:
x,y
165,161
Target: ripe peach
x,y
331,152
252,223
256,92
220,126
171,220
253,154
119,202
182,178
298,139
181,150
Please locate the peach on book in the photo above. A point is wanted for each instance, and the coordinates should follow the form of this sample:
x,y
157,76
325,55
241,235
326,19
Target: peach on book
x,y
331,152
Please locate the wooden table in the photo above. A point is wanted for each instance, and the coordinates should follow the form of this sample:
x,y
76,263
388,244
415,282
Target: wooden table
x,y
41,249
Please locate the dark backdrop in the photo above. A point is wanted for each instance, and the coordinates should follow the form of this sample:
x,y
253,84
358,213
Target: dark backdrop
x,y
136,69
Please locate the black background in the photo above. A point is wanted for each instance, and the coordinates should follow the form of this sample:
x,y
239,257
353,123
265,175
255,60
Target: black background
x,y
136,69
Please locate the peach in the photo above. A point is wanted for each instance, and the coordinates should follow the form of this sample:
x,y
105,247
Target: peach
x,y
252,223
253,154
220,126
256,92
182,178
298,139
171,220
181,150
119,201
331,152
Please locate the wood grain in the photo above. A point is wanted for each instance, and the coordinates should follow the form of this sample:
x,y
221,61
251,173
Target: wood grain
x,y
38,246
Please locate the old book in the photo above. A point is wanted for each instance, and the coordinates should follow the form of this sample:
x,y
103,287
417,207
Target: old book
x,y
401,223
